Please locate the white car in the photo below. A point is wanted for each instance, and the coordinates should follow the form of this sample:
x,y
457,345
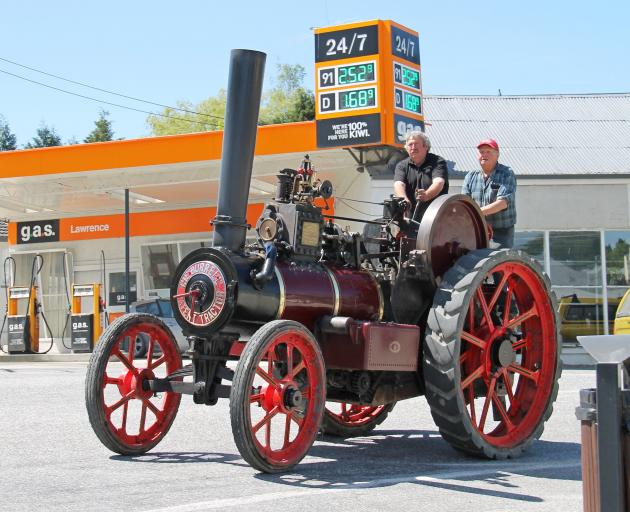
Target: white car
x,y
161,308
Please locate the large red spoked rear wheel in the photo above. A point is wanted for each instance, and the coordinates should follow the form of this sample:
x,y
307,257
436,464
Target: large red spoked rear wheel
x,y
125,415
278,396
492,353
350,420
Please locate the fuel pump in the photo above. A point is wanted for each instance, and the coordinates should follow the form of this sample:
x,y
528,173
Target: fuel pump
x,y
103,280
8,283
23,329
86,317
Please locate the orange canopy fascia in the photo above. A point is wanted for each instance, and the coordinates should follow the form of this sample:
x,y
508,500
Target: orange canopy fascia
x,y
190,147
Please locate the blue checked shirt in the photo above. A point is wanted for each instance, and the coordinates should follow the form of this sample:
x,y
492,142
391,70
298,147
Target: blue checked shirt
x,y
501,184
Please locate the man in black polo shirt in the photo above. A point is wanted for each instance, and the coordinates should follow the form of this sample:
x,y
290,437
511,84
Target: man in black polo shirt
x,y
421,177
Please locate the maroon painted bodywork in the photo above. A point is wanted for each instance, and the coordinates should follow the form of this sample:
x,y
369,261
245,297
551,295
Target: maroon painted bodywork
x,y
310,291
361,296
373,346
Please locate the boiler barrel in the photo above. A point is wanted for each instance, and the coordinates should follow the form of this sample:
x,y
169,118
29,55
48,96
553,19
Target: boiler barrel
x,y
305,292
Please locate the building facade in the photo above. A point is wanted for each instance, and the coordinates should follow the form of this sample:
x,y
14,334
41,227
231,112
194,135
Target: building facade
x,y
570,153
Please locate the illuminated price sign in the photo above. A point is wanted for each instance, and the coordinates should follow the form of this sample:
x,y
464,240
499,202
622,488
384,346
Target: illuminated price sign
x,y
405,100
346,43
357,98
368,84
349,99
350,74
406,76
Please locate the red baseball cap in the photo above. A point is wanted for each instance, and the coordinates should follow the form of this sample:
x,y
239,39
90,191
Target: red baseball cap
x,y
489,142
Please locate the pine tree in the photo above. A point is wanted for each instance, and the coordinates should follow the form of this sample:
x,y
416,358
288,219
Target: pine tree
x,y
8,141
46,137
103,131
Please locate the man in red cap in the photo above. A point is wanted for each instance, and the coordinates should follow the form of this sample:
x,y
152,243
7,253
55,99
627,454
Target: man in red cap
x,y
494,189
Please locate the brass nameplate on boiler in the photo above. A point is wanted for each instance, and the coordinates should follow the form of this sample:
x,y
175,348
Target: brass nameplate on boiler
x,y
310,234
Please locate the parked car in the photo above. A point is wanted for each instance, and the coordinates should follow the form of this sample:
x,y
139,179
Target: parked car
x,y
622,317
584,316
161,308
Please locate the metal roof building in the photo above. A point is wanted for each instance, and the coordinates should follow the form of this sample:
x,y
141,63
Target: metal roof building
x,y
570,153
543,135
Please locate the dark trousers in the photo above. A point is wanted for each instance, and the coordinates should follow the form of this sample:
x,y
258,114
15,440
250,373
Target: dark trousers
x,y
502,238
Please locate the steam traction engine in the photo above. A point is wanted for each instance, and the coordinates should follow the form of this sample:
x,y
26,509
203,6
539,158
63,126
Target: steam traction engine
x,y
315,328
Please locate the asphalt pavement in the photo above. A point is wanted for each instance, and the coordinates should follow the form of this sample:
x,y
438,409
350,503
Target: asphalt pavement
x,y
51,459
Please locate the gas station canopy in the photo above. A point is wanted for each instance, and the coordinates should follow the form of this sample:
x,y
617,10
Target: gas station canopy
x,y
368,95
161,173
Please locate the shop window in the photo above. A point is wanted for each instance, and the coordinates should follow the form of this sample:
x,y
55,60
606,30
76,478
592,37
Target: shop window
x,y
532,243
158,265
575,258
581,312
617,245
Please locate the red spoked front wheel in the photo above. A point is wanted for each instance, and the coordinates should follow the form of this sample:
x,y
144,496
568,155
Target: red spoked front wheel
x,y
492,353
350,420
125,415
278,395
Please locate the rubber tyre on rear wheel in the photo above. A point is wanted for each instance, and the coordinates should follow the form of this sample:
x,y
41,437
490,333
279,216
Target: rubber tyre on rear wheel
x,y
492,344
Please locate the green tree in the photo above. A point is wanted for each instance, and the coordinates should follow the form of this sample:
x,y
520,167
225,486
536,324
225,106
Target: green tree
x,y
303,107
46,137
8,141
103,129
286,102
203,117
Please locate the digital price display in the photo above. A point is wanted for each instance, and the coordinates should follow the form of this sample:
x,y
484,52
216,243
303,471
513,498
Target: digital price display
x,y
351,74
347,99
405,100
406,76
355,74
357,98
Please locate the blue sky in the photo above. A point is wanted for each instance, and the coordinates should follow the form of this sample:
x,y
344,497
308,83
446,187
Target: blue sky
x,y
168,51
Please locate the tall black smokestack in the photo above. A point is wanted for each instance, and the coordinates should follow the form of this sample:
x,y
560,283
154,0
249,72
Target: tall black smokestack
x,y
239,138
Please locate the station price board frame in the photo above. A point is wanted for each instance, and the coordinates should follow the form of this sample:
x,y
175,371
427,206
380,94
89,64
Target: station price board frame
x,y
368,84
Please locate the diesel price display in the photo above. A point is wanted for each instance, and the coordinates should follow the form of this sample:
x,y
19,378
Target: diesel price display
x,y
349,74
357,98
347,99
405,100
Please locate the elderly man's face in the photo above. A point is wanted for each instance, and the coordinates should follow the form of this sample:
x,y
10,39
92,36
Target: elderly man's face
x,y
488,157
417,150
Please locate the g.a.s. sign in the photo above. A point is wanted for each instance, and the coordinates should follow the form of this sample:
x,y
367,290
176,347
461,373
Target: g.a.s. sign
x,y
38,231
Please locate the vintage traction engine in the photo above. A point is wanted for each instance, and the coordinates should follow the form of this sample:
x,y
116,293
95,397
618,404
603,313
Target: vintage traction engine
x,y
317,329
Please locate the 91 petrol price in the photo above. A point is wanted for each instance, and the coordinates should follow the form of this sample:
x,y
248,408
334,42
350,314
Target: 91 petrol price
x,y
406,76
349,74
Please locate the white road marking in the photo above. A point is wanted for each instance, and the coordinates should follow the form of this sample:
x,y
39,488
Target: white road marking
x,y
488,468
